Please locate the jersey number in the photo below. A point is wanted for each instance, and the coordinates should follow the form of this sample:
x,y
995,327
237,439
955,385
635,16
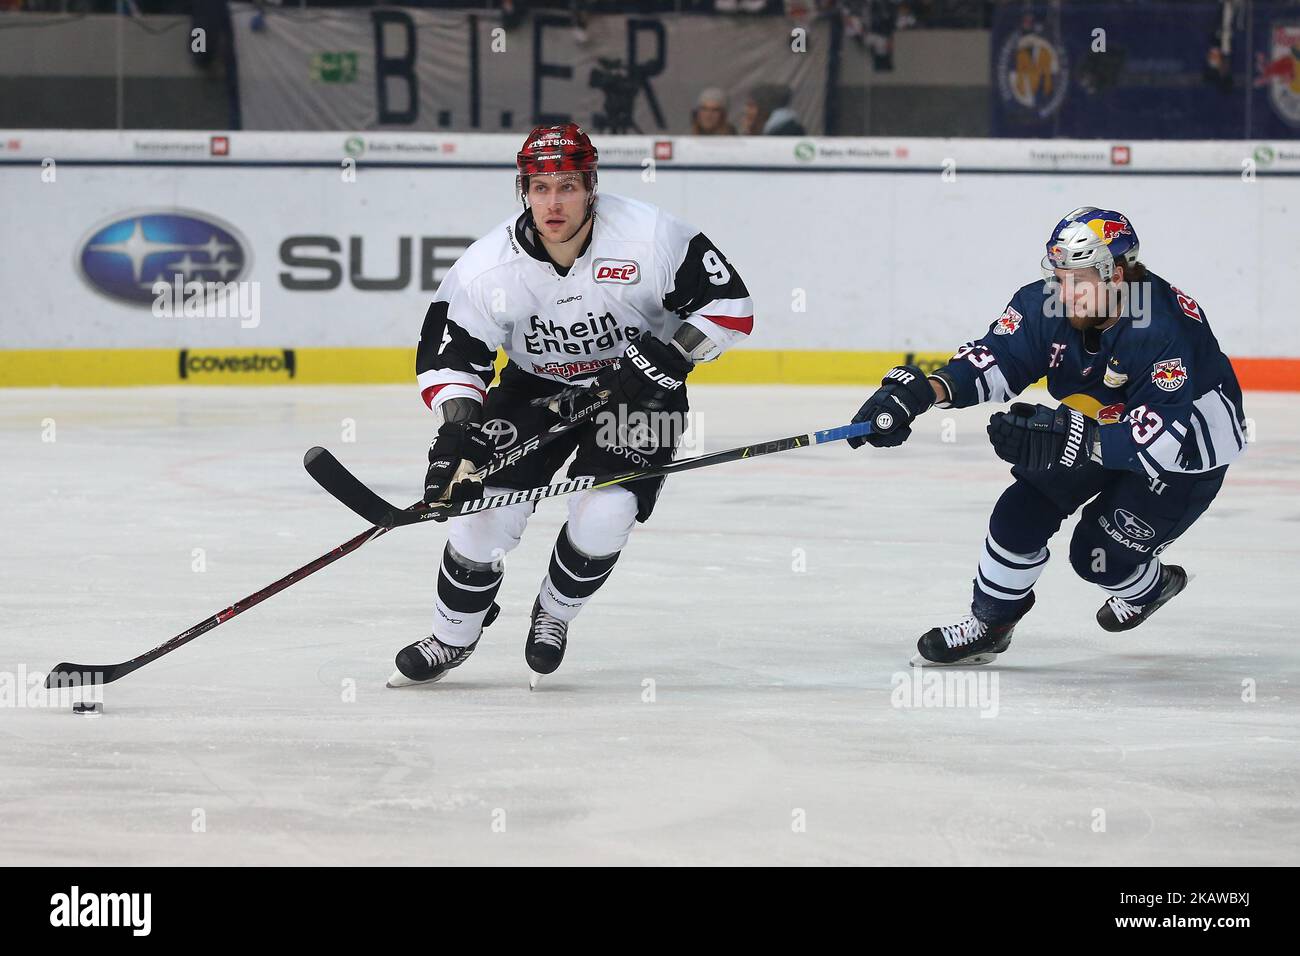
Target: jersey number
x,y
1146,424
977,355
717,269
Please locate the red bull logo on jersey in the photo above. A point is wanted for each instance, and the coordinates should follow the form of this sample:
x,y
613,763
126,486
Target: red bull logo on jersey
x,y
1108,229
1007,322
1169,375
1110,414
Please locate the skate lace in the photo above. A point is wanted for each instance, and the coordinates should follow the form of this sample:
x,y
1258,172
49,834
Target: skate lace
x,y
1122,609
435,652
963,632
549,630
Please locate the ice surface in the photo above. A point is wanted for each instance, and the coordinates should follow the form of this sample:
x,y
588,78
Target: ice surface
x,y
772,736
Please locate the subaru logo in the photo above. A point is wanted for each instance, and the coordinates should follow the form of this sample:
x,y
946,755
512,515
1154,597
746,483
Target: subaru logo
x,y
123,257
1133,526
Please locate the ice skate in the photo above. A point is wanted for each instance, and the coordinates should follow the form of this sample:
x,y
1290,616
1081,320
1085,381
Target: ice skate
x,y
969,641
427,661
1119,615
547,638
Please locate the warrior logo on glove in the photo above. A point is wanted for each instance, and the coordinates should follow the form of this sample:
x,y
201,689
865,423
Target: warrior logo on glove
x,y
904,393
1038,438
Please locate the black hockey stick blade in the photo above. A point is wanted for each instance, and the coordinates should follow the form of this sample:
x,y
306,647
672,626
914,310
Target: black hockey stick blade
x,y
67,675
331,475
347,488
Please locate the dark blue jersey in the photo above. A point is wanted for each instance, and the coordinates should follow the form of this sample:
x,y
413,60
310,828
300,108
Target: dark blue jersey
x,y
1157,381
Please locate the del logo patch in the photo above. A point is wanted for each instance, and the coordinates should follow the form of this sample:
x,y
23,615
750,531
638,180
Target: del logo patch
x,y
624,271
1114,378
1007,322
1169,375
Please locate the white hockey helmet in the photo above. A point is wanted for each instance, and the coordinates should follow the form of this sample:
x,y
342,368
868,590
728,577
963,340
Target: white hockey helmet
x,y
1089,237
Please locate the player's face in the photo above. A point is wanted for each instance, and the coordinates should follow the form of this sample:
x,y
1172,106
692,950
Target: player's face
x,y
1083,293
559,204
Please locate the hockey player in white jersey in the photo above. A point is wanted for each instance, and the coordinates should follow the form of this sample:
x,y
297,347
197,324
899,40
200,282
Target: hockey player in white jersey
x,y
603,306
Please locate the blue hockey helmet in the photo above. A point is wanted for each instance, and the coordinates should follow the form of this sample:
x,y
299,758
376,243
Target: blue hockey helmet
x,y
1089,237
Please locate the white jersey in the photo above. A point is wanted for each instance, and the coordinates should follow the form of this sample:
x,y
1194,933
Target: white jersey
x,y
641,272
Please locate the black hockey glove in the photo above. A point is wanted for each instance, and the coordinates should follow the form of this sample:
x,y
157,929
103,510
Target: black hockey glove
x,y
651,376
1038,438
904,393
459,452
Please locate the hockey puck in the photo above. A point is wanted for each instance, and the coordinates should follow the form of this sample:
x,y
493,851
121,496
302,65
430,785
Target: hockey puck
x,y
88,709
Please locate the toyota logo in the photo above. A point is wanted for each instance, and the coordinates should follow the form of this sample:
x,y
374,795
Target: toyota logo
x,y
640,436
502,432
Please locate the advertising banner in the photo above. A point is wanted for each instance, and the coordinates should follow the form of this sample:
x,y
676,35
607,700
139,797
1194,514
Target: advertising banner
x,y
398,68
301,258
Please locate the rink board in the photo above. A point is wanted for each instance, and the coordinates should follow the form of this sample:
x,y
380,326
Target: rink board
x,y
88,368
853,249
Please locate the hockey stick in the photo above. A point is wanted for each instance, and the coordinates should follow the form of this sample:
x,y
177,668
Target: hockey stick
x,y
338,481
74,675
349,490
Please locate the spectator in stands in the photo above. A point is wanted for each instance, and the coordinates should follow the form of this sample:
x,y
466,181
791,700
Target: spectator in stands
x,y
768,113
709,118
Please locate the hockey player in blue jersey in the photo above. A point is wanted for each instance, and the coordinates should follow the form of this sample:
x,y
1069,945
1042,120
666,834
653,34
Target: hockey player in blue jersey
x,y
1150,418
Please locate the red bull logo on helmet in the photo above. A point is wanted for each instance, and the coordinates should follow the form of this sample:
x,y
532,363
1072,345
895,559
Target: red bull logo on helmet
x,y
1169,375
1108,229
